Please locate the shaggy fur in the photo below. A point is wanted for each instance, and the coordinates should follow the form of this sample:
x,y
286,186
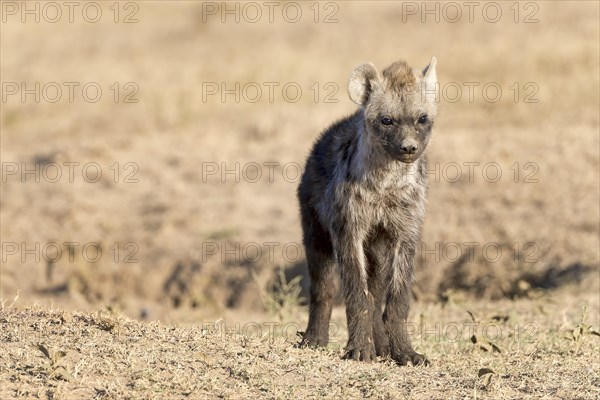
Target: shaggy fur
x,y
362,203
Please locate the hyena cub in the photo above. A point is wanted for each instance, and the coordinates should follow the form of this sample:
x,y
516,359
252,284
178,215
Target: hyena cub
x,y
362,202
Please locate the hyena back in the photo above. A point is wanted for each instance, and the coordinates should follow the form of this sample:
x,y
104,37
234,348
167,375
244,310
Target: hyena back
x,y
362,203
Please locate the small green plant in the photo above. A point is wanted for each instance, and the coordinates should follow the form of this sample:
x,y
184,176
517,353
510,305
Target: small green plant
x,y
283,297
581,330
55,365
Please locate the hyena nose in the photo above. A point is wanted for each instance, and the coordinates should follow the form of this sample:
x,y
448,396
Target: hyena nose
x,y
409,147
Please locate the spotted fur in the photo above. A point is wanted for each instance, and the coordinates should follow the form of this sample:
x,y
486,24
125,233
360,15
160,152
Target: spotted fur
x,y
362,203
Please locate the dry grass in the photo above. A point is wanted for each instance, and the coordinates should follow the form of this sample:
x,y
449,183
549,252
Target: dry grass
x,y
169,216
110,356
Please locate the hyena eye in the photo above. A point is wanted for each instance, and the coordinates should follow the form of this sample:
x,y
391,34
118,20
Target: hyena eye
x,y
386,121
423,119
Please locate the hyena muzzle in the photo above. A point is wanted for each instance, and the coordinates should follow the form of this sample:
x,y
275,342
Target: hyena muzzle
x,y
362,204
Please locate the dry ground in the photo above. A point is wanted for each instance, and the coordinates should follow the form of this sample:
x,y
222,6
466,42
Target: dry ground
x,y
522,351
179,245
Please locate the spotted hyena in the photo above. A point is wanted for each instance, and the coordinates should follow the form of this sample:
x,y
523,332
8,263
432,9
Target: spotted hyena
x,y
362,202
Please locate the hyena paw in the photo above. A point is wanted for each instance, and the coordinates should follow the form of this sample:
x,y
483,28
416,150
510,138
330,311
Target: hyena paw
x,y
311,340
412,357
382,349
356,352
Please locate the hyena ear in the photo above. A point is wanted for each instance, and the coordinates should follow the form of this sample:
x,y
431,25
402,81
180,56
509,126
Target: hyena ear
x,y
430,78
360,85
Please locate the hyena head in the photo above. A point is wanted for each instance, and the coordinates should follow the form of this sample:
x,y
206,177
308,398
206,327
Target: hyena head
x,y
399,106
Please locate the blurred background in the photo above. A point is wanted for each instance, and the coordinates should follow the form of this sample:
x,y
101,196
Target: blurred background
x,y
151,150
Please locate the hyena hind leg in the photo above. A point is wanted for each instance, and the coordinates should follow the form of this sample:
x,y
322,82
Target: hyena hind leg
x,y
323,284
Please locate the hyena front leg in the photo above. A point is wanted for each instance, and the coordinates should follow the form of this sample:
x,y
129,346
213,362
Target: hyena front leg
x,y
359,301
398,305
377,285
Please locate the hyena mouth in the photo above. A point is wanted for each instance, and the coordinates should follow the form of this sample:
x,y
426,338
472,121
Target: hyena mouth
x,y
408,158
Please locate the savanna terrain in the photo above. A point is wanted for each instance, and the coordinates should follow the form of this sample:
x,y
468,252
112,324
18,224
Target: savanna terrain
x,y
151,244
